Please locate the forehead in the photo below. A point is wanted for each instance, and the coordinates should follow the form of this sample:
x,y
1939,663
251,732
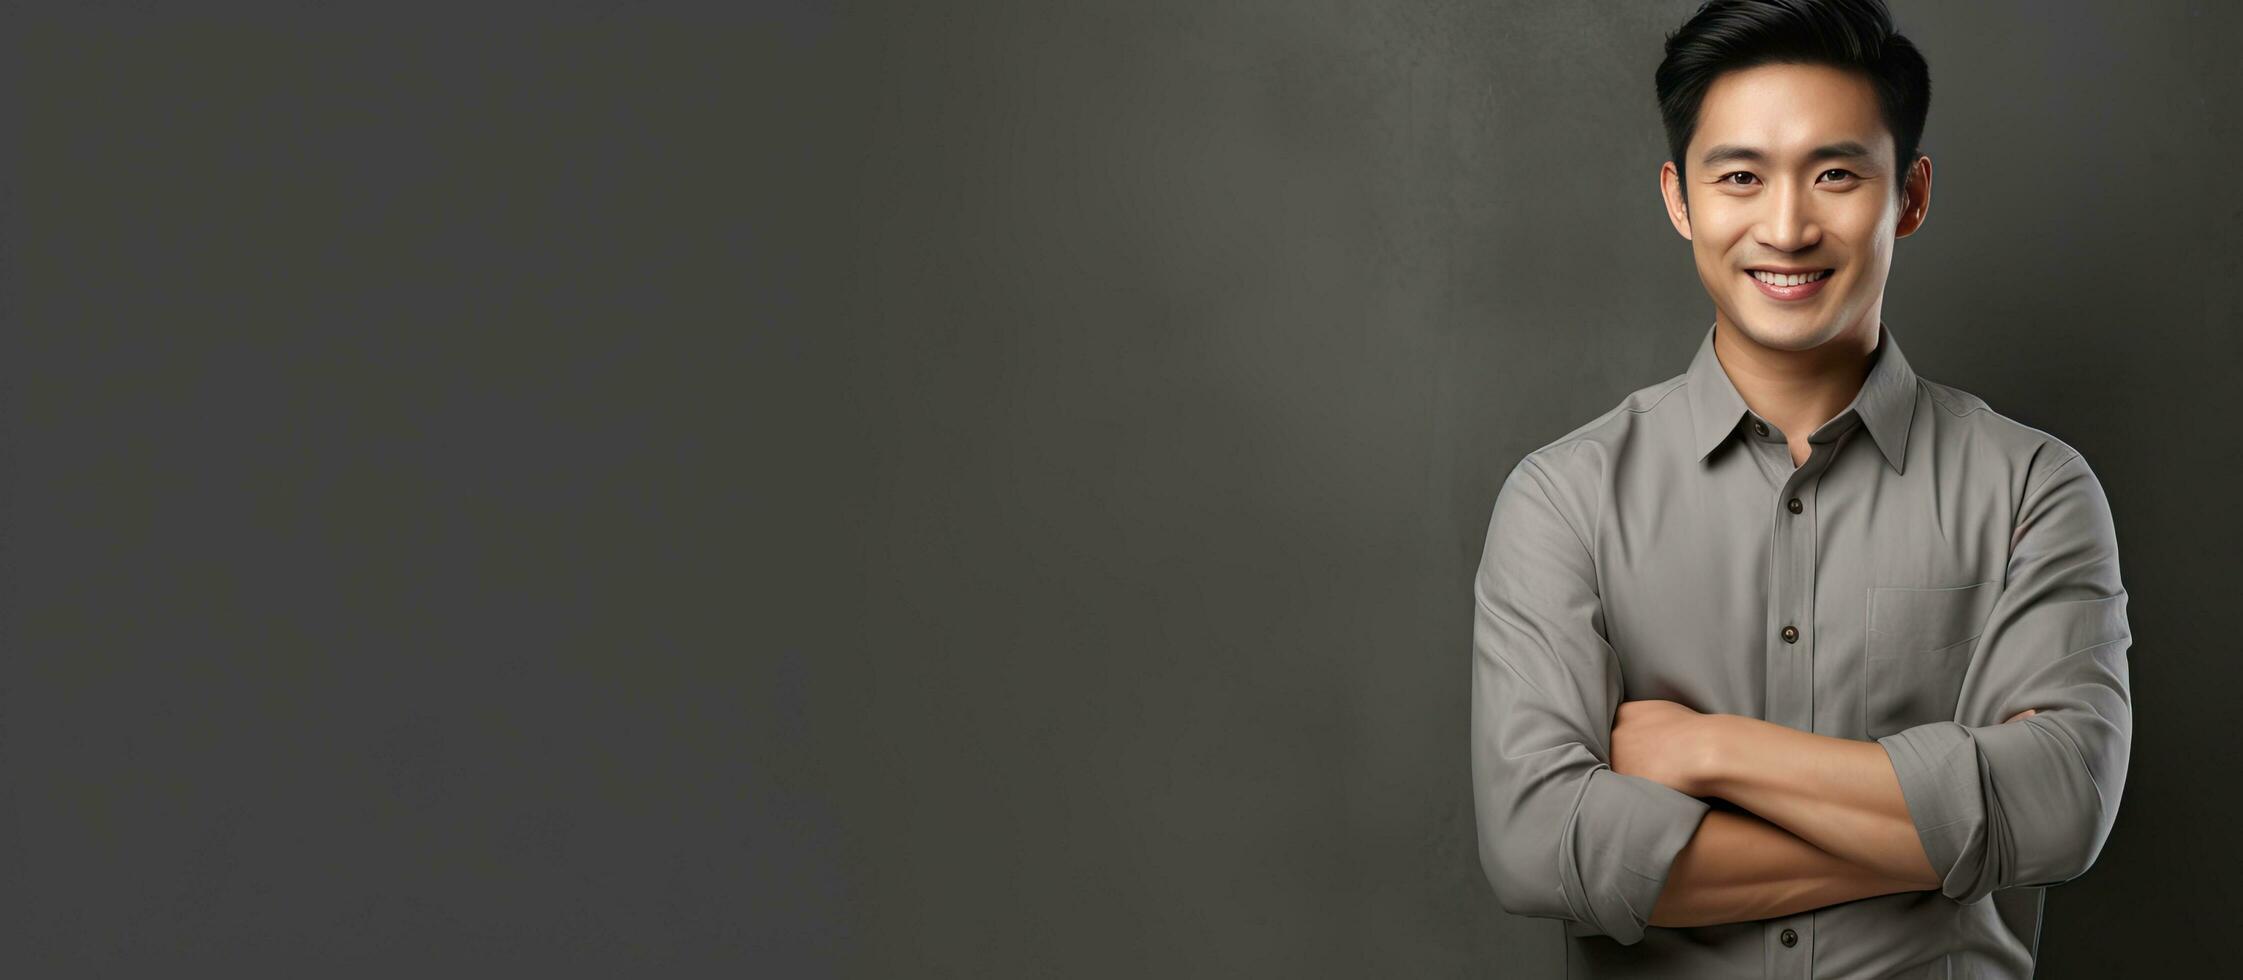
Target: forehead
x,y
1788,110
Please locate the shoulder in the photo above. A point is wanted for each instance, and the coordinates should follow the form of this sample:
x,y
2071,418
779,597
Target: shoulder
x,y
1574,469
1584,453
1963,424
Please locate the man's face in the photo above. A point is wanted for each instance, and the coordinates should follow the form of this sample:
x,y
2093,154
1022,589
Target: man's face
x,y
1791,168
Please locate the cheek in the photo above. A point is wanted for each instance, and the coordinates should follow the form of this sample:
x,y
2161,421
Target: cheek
x,y
1718,239
1865,228
1716,259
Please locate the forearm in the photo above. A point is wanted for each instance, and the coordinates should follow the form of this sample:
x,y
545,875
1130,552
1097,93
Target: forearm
x,y
1738,868
1839,795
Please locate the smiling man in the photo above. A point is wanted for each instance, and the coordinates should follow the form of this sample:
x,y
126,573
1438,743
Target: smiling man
x,y
1797,664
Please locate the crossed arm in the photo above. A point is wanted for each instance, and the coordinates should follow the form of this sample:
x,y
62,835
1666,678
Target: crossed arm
x,y
1828,823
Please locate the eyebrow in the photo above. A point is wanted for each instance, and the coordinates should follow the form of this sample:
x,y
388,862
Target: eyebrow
x,y
1843,150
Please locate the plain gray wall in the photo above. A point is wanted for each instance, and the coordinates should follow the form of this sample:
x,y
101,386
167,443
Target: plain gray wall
x,y
969,489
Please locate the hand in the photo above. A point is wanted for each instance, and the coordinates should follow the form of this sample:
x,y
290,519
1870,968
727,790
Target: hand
x,y
2027,713
1663,741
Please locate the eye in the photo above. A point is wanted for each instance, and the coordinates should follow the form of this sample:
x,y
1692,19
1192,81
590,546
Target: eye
x,y
1839,170
1735,173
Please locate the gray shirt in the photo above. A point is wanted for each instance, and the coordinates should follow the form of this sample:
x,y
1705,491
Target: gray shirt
x,y
1939,567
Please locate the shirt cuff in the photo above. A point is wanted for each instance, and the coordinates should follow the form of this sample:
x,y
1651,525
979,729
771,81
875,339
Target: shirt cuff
x,y
1620,846
1939,778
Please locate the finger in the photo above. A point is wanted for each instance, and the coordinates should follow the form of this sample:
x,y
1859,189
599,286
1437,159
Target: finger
x,y
2027,713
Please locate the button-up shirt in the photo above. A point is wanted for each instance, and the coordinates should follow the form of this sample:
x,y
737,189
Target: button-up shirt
x,y
1930,570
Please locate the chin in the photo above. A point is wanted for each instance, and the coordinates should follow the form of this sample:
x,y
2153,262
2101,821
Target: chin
x,y
1806,335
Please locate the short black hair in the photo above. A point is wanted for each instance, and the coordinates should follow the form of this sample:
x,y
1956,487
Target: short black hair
x,y
1856,35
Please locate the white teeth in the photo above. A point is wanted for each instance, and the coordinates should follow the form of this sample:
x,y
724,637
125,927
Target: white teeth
x,y
1779,279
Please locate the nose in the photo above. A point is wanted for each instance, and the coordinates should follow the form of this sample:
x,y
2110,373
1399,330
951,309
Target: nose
x,y
1789,225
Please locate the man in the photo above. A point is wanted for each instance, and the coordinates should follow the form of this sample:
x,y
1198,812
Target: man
x,y
1797,664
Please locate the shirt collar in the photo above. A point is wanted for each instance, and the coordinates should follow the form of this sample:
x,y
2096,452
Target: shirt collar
x,y
1886,402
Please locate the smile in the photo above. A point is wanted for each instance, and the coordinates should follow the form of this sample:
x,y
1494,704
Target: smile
x,y
1789,288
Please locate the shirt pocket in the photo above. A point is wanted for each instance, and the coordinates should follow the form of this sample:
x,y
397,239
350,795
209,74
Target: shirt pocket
x,y
1920,642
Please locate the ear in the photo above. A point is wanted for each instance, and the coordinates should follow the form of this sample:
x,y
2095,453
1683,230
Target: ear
x,y
1670,190
1915,202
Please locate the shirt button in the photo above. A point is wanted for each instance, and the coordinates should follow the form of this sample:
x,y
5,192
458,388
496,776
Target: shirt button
x,y
1793,505
1759,428
1790,634
1790,938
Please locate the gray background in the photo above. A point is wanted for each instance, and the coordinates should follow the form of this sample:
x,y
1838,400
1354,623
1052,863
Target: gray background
x,y
970,489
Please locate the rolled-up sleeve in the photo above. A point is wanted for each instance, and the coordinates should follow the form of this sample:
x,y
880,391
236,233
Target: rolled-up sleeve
x,y
1561,835
2031,802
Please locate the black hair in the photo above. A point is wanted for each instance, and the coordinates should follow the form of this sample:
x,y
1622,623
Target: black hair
x,y
1856,35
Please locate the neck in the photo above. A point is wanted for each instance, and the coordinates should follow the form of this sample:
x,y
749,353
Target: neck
x,y
1798,390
